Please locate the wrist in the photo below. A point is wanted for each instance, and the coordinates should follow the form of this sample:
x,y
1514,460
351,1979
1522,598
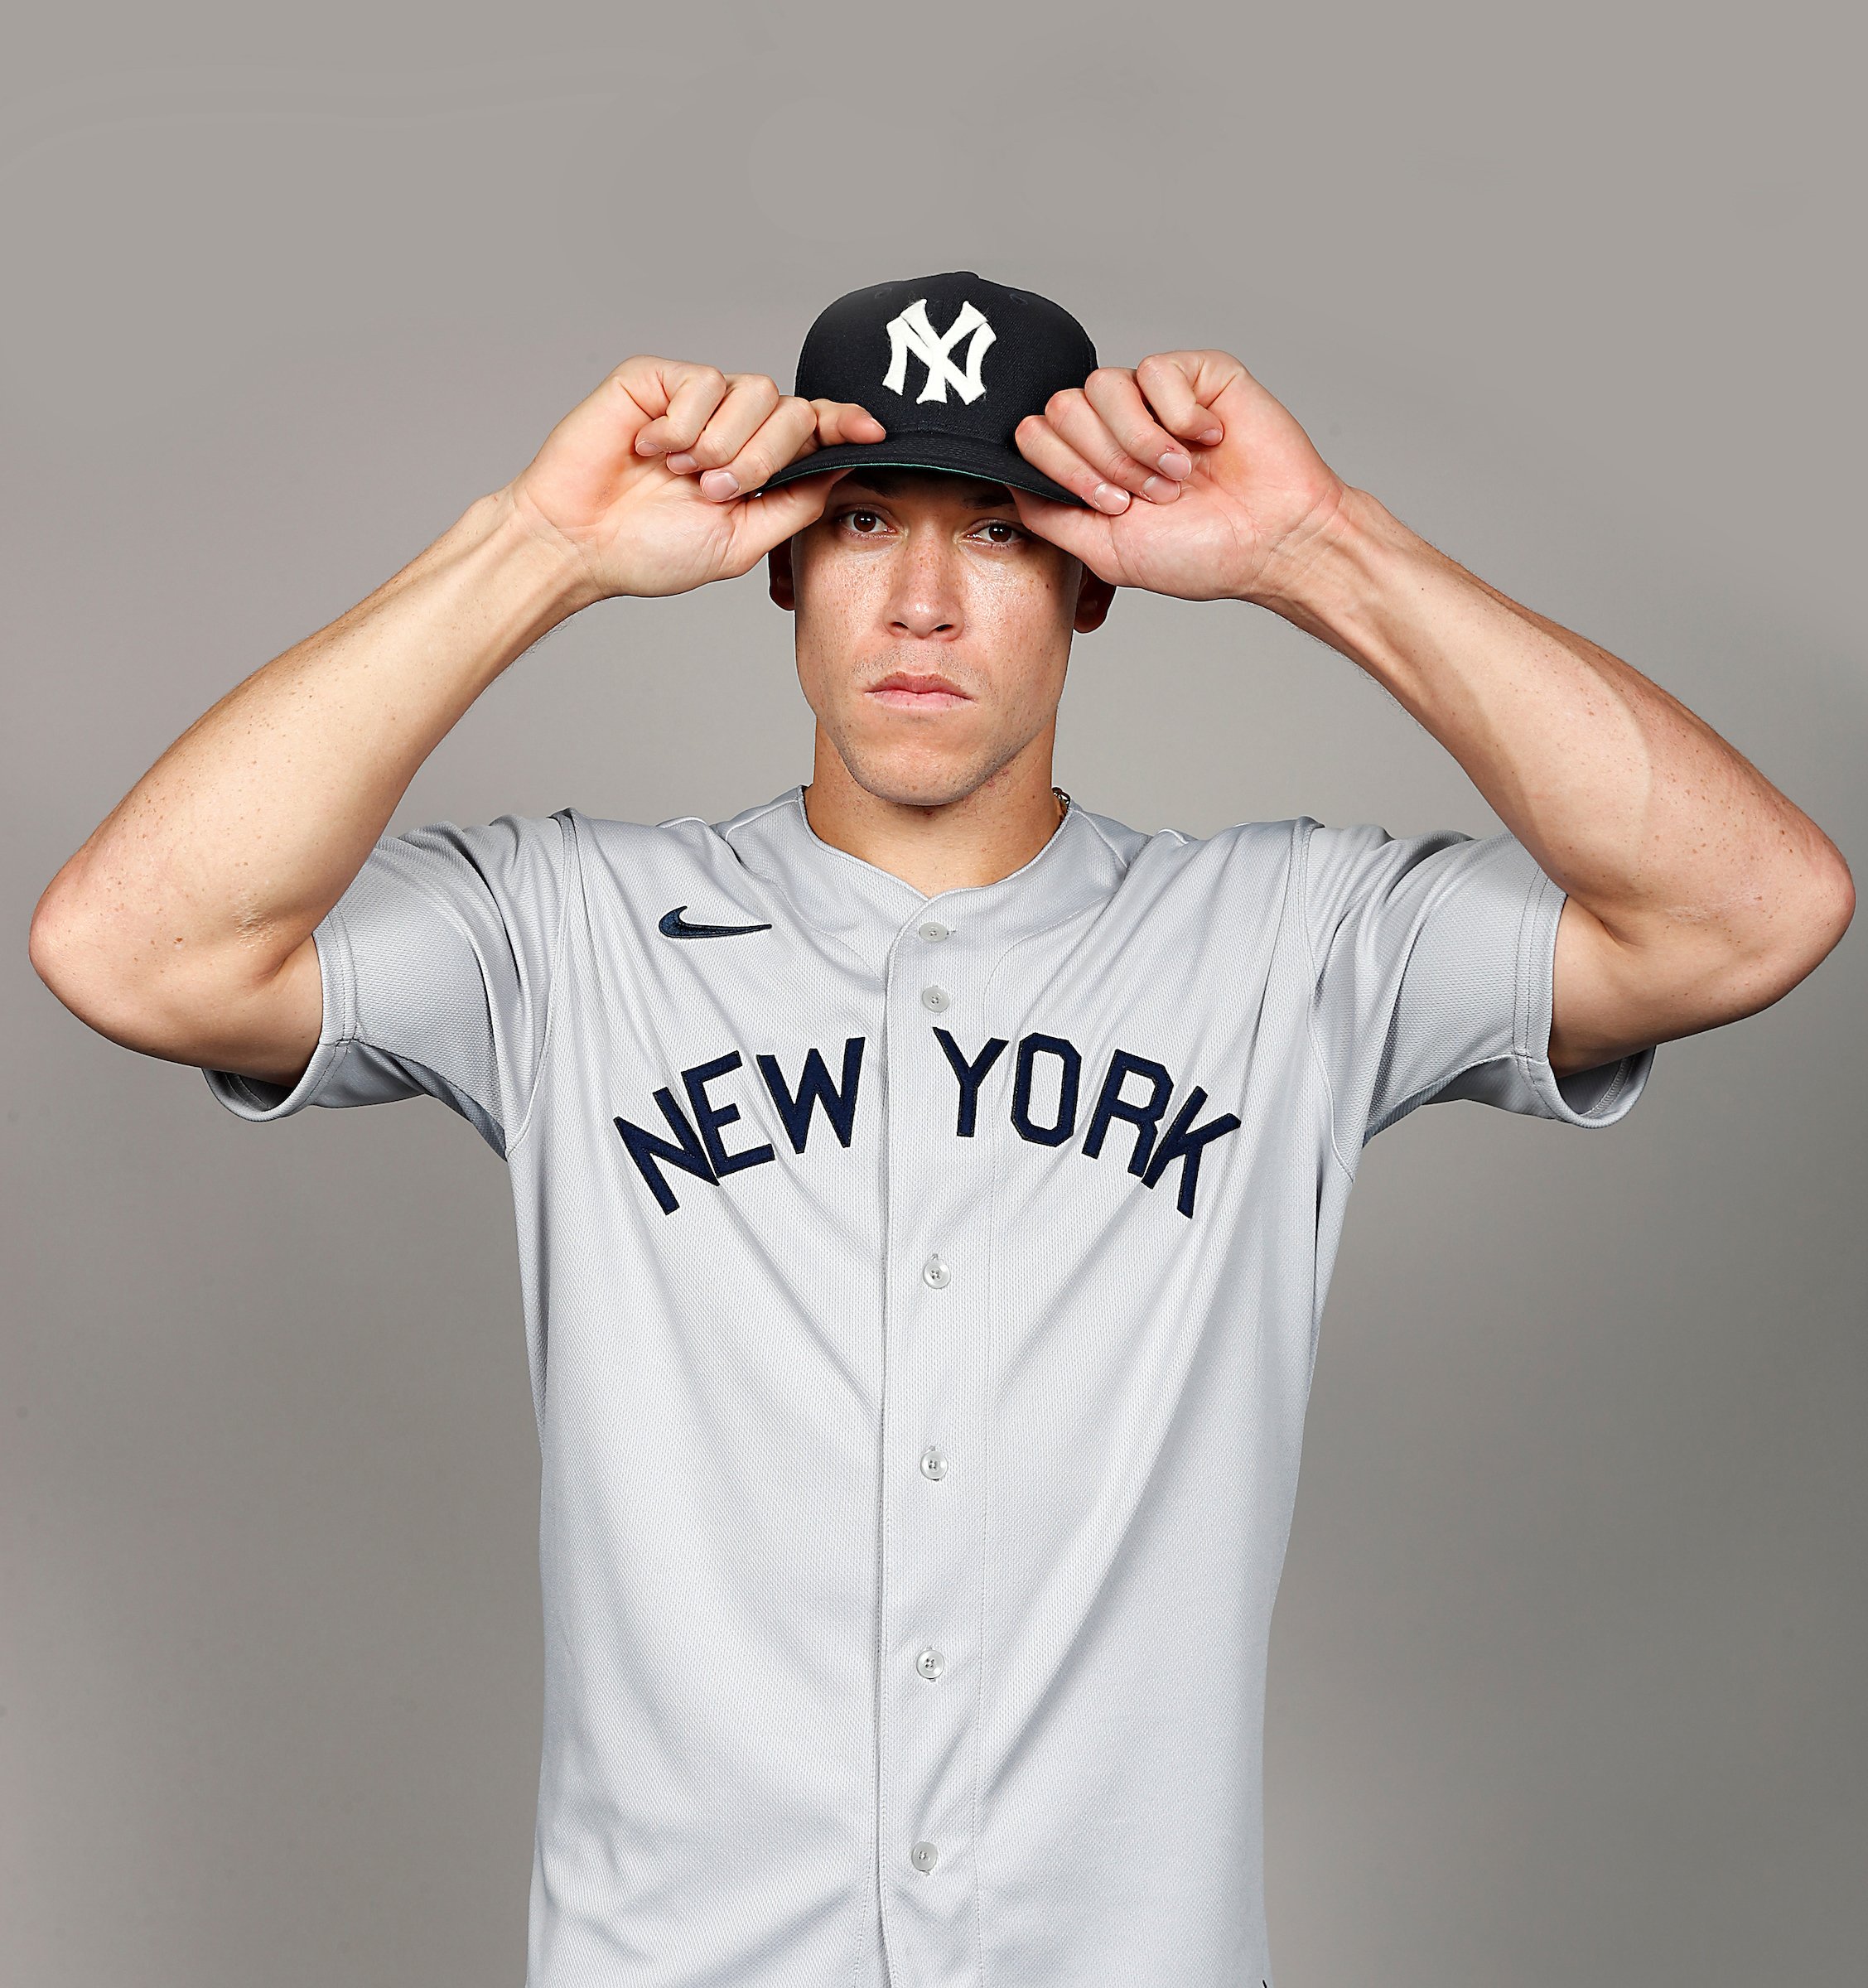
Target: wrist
x,y
545,561
1328,576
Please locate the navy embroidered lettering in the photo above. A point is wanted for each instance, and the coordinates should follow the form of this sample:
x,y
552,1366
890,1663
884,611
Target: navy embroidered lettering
x,y
970,1076
814,1088
1145,1119
1186,1141
645,1150
1070,1068
1045,1091
709,1117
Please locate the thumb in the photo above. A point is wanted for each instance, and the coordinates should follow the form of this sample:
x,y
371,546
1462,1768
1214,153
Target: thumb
x,y
1072,527
767,518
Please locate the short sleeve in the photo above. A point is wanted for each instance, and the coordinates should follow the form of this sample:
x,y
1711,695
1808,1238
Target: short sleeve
x,y
1433,959
437,965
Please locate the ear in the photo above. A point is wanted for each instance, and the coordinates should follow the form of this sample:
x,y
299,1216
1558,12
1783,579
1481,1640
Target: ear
x,y
1093,597
778,576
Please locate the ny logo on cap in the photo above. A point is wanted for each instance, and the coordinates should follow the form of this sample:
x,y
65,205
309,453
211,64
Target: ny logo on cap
x,y
911,332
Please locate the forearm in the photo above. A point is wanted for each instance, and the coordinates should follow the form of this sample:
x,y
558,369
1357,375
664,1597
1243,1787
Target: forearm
x,y
224,856
1628,800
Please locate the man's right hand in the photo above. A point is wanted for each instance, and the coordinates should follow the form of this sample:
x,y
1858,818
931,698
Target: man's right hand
x,y
642,480
155,933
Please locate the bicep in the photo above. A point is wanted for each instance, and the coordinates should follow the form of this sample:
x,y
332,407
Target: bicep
x,y
269,1030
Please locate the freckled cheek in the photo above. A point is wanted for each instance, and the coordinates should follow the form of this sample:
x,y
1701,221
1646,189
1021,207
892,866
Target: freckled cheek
x,y
1021,624
1005,613
841,599
832,634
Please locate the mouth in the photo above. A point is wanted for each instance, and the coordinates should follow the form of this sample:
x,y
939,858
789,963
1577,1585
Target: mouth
x,y
917,690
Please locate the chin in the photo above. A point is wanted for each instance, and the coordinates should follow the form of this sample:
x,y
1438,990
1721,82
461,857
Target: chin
x,y
910,775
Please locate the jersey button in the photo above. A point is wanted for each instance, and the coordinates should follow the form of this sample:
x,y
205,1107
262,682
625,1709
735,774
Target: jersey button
x,y
935,1274
923,1855
933,930
934,1464
930,1663
936,998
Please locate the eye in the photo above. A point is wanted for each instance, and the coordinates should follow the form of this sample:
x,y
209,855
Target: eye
x,y
866,524
1013,534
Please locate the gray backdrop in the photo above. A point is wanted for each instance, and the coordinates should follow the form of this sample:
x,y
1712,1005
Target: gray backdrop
x,y
1566,1676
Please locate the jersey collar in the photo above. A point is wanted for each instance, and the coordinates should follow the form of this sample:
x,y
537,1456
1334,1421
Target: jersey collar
x,y
868,908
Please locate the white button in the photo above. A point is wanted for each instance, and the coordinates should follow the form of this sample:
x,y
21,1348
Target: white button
x,y
936,1274
930,1663
937,998
934,1464
923,1856
932,930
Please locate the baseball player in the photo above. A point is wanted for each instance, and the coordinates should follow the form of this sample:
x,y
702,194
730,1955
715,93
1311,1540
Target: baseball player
x,y
927,1186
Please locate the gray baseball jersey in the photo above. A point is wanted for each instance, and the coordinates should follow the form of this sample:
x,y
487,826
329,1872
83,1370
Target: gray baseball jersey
x,y
921,1297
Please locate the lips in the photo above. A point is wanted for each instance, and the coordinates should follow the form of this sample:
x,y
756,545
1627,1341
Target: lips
x,y
918,690
919,680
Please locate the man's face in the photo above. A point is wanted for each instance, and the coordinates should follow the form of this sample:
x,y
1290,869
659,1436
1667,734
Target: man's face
x,y
933,629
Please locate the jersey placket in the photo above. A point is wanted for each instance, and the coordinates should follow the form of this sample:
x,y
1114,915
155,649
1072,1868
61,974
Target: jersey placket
x,y
935,1320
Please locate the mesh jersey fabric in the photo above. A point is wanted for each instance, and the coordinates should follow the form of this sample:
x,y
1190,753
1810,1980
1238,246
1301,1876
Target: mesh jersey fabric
x,y
921,1299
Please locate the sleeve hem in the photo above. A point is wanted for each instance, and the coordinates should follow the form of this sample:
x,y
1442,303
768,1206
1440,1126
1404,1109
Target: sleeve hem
x,y
259,1102
1590,1098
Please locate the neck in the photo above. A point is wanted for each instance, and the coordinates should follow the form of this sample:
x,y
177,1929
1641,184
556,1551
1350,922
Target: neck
x,y
979,838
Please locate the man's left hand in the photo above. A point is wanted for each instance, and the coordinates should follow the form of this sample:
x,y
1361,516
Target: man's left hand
x,y
1201,483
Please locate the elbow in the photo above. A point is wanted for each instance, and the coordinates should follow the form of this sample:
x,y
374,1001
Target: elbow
x,y
64,934
1806,930
1842,897
52,944
69,956
1798,925
138,987
1830,911
92,967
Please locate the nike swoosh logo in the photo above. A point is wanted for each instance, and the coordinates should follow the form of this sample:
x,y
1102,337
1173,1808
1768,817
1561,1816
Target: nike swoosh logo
x,y
673,925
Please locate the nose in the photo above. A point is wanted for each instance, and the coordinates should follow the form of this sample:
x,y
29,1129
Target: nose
x,y
924,594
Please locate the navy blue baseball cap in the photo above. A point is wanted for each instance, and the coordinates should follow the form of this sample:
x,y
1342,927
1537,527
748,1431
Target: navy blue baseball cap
x,y
949,365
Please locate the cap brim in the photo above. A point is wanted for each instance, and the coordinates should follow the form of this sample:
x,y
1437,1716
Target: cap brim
x,y
957,455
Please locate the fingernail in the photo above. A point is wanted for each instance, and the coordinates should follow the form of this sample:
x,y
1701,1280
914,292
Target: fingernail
x,y
720,484
683,464
1108,498
1158,489
1176,465
645,447
1212,435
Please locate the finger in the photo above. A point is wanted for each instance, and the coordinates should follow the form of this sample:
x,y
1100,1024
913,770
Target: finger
x,y
841,421
785,434
1072,418
1083,533
693,393
750,398
647,381
1166,379
1044,449
768,517
1113,392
